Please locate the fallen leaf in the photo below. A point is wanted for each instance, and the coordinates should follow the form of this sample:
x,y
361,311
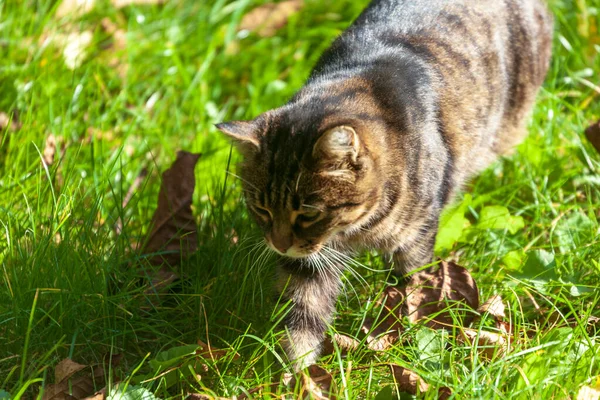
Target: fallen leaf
x,y
49,150
592,133
74,8
7,122
207,352
202,396
174,232
74,44
386,332
489,344
77,382
125,3
343,342
316,383
99,395
66,369
117,45
119,36
379,338
408,381
429,294
266,19
444,393
75,48
588,393
259,391
383,342
493,306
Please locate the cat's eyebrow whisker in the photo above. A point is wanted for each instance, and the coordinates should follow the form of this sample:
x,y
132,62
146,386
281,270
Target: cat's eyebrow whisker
x,y
309,206
244,180
298,180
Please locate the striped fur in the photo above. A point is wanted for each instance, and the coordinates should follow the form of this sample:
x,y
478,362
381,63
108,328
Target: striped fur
x,y
409,102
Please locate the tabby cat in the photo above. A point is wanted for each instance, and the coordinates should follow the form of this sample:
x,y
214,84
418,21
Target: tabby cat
x,y
409,102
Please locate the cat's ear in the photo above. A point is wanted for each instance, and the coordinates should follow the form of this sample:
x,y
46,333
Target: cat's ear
x,y
337,144
244,133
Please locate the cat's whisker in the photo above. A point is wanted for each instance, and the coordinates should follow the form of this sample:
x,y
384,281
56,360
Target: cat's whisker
x,y
353,261
244,180
323,265
348,261
311,206
337,267
298,180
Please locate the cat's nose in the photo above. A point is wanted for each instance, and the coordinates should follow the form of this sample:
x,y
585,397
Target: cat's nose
x,y
282,242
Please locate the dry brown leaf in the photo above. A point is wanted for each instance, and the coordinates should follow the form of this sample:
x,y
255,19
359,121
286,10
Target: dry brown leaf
x,y
66,369
75,48
73,42
75,387
379,338
173,226
489,344
432,292
444,393
266,19
343,342
408,381
49,150
203,396
74,8
119,42
316,383
7,122
259,391
125,3
589,393
386,333
118,45
593,135
383,342
208,352
494,306
99,395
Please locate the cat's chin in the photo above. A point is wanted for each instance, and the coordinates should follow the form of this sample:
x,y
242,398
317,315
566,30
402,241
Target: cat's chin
x,y
293,253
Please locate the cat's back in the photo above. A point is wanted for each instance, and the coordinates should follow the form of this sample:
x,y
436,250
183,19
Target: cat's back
x,y
488,59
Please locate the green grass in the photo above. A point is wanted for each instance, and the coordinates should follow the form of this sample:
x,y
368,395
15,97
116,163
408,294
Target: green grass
x,y
68,282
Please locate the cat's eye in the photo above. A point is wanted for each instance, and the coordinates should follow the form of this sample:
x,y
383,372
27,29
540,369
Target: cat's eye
x,y
310,216
262,212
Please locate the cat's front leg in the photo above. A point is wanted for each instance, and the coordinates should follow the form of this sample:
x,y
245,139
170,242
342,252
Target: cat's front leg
x,y
312,293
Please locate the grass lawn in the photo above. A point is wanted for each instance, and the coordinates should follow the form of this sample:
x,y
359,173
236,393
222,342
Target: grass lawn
x,y
153,80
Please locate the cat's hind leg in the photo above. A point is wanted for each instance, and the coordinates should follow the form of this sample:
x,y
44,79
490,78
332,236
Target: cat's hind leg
x,y
416,253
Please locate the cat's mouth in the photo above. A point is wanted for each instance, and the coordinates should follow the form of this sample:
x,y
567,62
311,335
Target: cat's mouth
x,y
295,252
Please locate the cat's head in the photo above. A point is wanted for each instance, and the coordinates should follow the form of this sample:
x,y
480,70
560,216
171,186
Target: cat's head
x,y
308,175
